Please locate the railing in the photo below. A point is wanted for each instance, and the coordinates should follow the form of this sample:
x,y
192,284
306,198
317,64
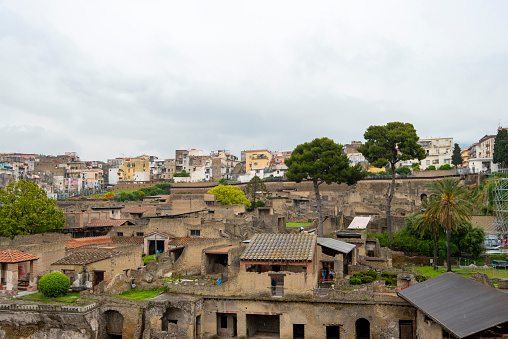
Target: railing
x,y
276,291
47,307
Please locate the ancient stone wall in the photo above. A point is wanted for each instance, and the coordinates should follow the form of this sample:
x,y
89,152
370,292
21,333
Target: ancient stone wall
x,y
383,317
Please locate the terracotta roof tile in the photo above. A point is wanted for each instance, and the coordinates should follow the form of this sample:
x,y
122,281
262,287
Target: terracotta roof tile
x,y
294,247
78,242
161,233
13,256
128,240
137,209
87,257
111,222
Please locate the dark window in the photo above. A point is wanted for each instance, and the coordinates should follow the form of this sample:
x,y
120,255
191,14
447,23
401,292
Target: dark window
x,y
223,322
195,233
298,331
140,234
332,332
120,234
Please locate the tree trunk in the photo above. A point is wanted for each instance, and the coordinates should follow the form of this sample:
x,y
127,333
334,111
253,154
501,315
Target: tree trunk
x,y
389,198
318,203
434,236
448,239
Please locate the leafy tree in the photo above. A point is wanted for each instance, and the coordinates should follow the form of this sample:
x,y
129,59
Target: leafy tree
x,y
415,166
255,187
456,157
431,168
445,167
403,170
26,209
183,173
229,195
389,144
501,148
450,205
320,161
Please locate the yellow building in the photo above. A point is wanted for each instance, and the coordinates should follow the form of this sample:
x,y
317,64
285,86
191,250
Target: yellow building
x,y
132,165
257,160
373,169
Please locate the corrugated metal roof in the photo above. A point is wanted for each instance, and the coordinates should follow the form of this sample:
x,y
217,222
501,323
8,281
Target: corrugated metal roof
x,y
359,223
293,247
334,244
462,306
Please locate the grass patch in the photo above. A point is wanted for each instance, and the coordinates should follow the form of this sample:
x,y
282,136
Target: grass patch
x,y
70,297
138,294
148,258
466,272
298,224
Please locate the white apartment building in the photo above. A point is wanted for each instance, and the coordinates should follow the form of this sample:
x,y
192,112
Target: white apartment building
x,y
439,152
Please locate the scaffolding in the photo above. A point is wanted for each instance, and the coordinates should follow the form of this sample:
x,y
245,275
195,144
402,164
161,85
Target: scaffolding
x,y
500,205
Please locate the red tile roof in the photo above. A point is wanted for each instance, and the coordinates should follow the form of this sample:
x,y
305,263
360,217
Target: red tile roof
x,y
87,257
137,209
13,256
111,222
161,233
78,242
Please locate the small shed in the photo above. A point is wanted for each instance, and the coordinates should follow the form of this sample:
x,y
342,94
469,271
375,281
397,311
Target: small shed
x,y
451,305
156,241
18,270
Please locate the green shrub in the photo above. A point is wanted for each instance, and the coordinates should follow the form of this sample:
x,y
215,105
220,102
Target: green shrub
x,y
420,278
54,285
355,281
366,279
372,274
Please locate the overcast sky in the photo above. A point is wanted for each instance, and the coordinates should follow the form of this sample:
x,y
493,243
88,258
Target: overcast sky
x,y
115,78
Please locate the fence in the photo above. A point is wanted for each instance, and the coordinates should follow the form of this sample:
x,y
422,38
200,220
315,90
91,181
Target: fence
x,y
47,307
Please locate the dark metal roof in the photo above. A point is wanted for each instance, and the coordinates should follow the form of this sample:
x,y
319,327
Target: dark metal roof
x,y
337,245
461,306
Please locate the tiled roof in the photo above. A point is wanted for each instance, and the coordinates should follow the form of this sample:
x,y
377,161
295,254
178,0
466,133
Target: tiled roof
x,y
137,209
111,222
13,256
160,233
293,247
184,241
87,257
128,240
78,242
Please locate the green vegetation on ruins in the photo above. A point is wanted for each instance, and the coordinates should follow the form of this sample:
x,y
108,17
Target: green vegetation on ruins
x,y
139,294
298,224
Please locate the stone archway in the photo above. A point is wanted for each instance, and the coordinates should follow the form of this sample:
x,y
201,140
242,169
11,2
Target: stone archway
x,y
114,324
362,328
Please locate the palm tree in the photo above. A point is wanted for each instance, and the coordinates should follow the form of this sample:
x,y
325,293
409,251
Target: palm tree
x,y
428,221
449,205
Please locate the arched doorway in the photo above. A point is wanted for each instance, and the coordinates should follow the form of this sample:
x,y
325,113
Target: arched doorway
x,y
362,329
114,324
423,197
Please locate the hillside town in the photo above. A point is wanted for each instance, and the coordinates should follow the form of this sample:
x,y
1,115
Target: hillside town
x,y
284,262
66,175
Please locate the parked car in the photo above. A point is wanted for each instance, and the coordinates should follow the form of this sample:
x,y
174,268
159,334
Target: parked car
x,y
499,264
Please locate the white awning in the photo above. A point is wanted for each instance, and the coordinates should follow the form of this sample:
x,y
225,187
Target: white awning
x,y
359,223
